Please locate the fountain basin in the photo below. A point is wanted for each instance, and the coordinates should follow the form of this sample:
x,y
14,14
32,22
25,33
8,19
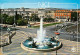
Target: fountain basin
x,y
40,47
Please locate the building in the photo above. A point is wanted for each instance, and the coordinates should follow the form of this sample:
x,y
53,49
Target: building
x,y
50,14
0,15
41,12
62,14
58,14
78,15
24,11
0,11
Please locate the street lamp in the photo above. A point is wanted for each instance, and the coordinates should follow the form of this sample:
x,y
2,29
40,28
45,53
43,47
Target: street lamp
x,y
14,25
14,20
57,38
28,20
22,15
9,31
73,34
2,20
73,18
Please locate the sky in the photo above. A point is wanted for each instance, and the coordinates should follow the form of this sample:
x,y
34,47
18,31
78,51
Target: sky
x,y
66,4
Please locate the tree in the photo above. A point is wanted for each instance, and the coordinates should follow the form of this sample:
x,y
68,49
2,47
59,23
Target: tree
x,y
18,16
4,17
22,22
48,19
0,15
25,21
0,18
73,16
34,17
10,20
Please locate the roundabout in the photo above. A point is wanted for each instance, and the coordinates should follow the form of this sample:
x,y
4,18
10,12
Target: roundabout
x,y
41,43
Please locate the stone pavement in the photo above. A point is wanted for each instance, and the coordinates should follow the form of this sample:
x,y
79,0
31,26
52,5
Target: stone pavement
x,y
15,47
1,51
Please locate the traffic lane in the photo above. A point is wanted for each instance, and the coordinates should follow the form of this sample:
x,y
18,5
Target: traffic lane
x,y
27,30
2,32
50,33
69,37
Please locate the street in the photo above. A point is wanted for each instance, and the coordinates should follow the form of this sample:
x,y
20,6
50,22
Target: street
x,y
50,32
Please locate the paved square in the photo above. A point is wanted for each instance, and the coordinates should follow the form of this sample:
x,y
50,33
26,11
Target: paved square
x,y
15,47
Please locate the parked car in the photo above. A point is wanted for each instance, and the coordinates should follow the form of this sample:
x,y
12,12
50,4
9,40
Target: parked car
x,y
5,26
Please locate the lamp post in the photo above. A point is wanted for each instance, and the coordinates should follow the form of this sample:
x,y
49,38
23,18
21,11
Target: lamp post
x,y
73,18
14,25
28,20
57,38
9,31
2,20
22,15
73,34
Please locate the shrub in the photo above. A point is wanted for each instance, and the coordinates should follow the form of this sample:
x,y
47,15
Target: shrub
x,y
9,20
22,22
48,19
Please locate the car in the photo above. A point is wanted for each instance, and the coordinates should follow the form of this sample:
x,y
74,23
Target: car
x,y
5,26
28,25
57,33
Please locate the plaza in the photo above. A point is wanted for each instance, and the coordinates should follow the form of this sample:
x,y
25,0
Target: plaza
x,y
15,48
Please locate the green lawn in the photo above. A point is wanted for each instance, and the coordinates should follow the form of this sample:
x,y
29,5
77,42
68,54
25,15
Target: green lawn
x,y
45,25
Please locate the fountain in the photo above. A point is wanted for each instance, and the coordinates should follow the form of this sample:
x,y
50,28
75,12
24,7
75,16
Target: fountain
x,y
41,42
41,33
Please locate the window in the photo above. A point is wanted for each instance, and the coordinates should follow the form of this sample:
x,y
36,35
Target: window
x,y
60,13
68,13
68,17
64,16
60,16
56,17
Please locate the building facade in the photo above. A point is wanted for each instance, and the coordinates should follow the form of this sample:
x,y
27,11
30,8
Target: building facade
x,y
50,14
62,14
20,11
24,11
78,15
56,14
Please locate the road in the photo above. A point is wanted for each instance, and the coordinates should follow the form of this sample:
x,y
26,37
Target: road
x,y
22,34
50,32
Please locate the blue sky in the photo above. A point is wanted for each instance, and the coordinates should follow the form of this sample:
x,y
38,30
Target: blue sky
x,y
67,4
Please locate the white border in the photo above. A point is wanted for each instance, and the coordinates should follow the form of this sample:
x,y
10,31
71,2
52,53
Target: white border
x,y
35,8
